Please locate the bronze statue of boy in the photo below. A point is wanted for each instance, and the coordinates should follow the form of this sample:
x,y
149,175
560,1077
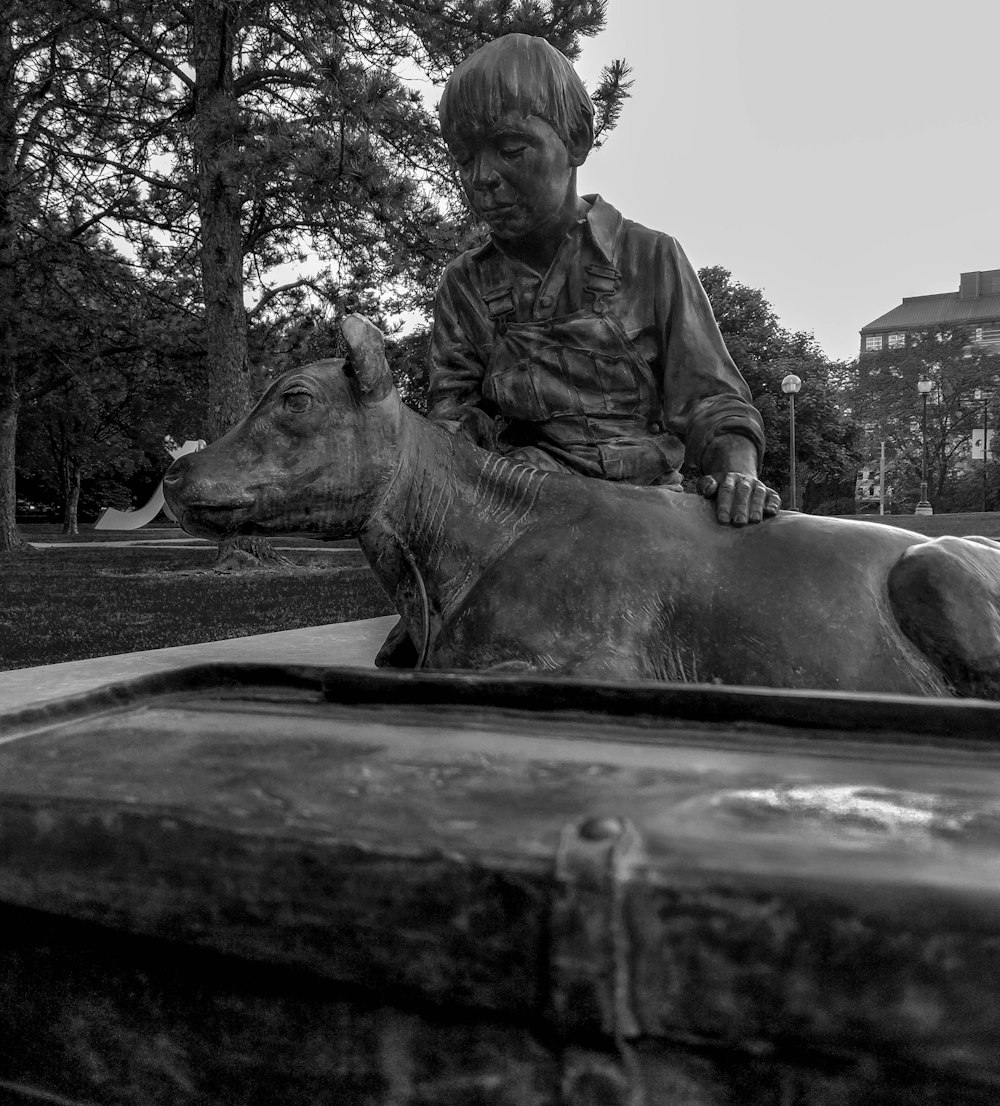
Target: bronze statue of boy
x,y
588,333
590,336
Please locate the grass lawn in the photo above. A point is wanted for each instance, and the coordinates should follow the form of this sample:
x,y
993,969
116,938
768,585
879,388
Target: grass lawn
x,y
50,534
982,524
61,604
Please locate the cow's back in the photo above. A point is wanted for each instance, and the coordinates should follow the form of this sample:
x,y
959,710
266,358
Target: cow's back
x,y
645,583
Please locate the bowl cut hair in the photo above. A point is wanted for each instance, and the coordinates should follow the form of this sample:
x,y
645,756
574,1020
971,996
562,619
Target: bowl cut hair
x,y
516,73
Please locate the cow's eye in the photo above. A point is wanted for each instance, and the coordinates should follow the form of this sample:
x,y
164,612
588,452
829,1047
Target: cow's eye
x,y
298,401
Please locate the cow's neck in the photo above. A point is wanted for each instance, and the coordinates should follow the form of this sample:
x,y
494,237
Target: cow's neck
x,y
447,512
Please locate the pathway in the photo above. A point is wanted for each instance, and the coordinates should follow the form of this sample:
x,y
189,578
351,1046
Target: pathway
x,y
351,644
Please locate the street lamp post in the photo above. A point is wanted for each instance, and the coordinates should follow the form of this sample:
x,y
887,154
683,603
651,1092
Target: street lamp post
x,y
924,507
981,396
790,385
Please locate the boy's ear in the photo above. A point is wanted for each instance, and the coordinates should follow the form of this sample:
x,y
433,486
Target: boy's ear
x,y
580,143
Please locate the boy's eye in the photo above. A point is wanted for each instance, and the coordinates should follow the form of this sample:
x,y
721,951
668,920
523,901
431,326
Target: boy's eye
x,y
512,151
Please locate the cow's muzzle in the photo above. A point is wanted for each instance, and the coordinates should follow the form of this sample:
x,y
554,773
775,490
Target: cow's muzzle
x,y
204,508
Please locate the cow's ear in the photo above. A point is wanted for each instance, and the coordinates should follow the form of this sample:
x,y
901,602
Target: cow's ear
x,y
367,356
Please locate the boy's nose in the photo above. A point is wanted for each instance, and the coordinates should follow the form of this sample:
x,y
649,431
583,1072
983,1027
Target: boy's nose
x,y
484,173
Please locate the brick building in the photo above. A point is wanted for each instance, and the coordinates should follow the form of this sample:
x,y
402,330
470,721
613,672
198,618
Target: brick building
x,y
975,307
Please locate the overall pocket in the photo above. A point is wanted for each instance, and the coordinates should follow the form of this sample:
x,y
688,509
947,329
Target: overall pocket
x,y
560,381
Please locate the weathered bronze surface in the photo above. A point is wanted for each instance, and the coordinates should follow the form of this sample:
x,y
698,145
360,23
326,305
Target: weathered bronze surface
x,y
495,565
269,885
589,333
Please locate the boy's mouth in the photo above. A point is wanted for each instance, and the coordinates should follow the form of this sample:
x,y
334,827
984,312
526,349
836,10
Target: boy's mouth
x,y
496,211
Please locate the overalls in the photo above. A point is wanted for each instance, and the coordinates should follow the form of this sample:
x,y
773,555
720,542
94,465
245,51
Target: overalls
x,y
579,395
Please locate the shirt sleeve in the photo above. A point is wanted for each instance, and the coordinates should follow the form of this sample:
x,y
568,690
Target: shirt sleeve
x,y
459,350
705,395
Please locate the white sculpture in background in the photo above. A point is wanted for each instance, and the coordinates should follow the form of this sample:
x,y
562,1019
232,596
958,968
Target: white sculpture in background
x,y
113,519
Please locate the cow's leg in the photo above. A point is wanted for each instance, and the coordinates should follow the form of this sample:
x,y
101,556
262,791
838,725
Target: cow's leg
x,y
946,596
398,650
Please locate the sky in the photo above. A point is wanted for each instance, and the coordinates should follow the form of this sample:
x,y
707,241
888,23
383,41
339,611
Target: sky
x,y
838,155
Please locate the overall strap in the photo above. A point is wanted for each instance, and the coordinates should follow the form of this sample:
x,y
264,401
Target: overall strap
x,y
499,294
605,279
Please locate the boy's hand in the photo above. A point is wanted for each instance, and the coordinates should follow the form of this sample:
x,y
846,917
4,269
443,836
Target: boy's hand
x,y
730,468
739,497
474,423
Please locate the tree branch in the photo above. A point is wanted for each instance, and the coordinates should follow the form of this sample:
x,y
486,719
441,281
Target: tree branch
x,y
271,293
140,44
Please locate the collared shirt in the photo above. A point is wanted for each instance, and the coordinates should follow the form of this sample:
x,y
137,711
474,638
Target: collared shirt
x,y
659,301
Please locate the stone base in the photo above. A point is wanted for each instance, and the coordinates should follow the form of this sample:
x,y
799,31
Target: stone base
x,y
924,508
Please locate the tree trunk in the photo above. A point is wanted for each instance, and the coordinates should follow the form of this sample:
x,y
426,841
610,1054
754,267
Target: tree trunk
x,y
216,148
242,553
216,141
10,539
71,497
937,471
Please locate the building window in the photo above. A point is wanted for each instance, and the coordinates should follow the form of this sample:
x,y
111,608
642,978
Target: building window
x,y
873,342
897,341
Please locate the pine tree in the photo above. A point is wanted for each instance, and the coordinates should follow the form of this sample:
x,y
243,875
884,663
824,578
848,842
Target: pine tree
x,y
256,133
290,128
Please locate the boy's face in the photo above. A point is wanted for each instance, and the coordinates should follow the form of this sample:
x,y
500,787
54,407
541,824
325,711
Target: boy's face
x,y
519,176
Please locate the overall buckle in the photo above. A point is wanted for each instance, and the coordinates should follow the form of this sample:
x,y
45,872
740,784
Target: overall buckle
x,y
604,281
500,304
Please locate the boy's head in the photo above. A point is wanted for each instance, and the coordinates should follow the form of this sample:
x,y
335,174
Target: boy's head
x,y
521,75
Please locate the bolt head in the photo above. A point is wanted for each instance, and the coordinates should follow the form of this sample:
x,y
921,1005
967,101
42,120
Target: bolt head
x,y
601,828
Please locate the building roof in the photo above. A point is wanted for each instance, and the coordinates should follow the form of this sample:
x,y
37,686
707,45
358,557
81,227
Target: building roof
x,y
965,306
918,311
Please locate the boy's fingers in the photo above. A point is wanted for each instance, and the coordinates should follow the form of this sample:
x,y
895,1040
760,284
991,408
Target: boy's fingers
x,y
740,499
724,498
740,510
707,486
757,499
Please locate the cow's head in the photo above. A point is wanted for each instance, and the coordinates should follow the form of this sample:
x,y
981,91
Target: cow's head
x,y
314,454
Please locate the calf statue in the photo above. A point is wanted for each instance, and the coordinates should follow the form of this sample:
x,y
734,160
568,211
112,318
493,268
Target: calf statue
x,y
495,565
